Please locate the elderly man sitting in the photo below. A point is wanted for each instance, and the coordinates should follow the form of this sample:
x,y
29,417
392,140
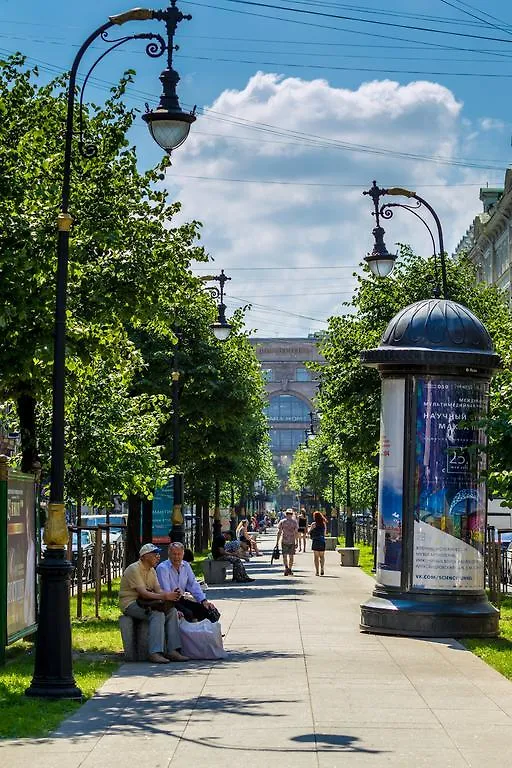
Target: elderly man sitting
x,y
176,575
139,581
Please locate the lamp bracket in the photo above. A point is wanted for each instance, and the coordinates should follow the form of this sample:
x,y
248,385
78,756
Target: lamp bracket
x,y
154,49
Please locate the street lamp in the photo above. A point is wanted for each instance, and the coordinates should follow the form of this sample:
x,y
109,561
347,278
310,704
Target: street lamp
x,y
379,260
169,125
221,328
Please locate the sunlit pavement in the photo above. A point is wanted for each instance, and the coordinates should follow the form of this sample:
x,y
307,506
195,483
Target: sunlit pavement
x,y
302,688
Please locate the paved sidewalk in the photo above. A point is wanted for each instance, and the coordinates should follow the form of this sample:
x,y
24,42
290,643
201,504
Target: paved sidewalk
x,y
303,688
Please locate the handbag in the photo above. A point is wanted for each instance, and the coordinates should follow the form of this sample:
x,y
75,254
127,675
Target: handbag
x,y
212,614
276,554
155,605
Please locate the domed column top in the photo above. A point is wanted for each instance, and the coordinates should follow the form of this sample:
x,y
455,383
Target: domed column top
x,y
435,332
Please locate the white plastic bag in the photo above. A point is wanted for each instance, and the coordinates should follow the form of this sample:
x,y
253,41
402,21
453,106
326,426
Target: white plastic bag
x,y
202,639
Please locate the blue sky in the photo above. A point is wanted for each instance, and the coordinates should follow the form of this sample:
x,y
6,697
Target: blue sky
x,y
332,104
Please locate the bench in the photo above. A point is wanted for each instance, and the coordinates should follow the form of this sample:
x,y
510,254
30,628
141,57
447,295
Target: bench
x,y
214,571
349,556
135,637
331,542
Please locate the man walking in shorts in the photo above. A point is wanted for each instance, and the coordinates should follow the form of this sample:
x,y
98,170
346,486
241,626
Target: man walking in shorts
x,y
287,533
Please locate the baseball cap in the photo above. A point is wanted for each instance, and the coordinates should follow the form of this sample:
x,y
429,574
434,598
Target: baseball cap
x,y
289,511
148,549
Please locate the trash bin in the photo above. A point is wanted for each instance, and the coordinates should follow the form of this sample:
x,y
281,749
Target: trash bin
x,y
349,556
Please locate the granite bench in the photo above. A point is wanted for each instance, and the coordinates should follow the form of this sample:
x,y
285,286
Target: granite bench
x,y
214,571
135,637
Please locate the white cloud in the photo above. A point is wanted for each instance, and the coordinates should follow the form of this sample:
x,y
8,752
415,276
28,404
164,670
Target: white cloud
x,y
319,219
491,124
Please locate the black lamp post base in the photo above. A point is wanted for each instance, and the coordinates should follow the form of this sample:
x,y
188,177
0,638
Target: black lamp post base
x,y
53,669
177,533
429,615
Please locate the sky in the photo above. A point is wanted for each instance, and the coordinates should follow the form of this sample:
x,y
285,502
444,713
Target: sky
x,y
300,106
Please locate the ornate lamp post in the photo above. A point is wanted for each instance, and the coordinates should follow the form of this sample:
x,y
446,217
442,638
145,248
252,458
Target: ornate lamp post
x,y
221,330
379,260
436,360
169,125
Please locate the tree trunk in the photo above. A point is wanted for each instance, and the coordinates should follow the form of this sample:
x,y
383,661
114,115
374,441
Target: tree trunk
x,y
26,409
206,521
133,529
198,539
147,520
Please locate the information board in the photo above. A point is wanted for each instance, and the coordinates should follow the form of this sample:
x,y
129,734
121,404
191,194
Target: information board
x,y
21,555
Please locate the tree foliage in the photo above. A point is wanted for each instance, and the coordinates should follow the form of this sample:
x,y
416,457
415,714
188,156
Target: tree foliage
x,y
130,289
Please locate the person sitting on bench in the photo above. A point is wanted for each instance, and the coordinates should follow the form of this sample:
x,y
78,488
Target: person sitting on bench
x,y
219,553
176,575
139,581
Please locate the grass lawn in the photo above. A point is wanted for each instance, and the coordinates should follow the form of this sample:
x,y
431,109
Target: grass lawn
x,y
496,651
96,645
365,555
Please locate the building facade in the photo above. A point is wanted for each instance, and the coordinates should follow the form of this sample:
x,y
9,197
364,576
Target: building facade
x,y
488,241
291,389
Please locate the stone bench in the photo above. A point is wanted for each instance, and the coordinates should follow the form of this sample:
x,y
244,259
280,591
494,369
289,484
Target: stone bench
x,y
331,543
135,637
214,571
349,556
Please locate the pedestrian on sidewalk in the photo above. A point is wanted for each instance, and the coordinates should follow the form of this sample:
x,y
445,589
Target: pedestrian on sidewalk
x,y
302,522
287,531
317,531
139,582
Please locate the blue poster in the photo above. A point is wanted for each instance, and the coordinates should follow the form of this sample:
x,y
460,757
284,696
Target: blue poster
x,y
163,500
449,490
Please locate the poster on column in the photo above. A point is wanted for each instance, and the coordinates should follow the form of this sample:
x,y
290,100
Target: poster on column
x,y
449,492
391,478
21,555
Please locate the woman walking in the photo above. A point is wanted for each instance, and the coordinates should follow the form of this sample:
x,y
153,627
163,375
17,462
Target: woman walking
x,y
302,522
317,531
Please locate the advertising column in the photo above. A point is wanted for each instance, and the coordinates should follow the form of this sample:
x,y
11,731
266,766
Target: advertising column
x,y
449,493
391,480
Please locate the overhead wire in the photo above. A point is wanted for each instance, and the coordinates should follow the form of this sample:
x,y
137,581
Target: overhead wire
x,y
474,16
414,28
329,27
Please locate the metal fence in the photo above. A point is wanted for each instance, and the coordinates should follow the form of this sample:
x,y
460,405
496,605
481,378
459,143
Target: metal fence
x,y
95,565
498,564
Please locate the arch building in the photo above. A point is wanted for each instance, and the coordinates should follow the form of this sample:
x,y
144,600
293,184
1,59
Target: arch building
x,y
291,388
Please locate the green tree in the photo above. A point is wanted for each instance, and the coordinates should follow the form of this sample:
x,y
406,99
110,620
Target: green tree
x,y
127,265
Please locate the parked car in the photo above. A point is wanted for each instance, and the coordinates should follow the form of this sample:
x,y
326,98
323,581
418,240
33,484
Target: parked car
x,y
86,541
505,539
117,525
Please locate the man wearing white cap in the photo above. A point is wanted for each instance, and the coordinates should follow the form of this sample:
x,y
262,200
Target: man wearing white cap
x,y
139,581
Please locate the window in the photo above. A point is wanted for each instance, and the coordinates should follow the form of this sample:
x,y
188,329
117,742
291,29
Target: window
x,y
286,439
501,261
287,408
302,374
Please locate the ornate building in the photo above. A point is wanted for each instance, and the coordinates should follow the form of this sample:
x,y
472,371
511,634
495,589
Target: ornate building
x,y
488,241
291,388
